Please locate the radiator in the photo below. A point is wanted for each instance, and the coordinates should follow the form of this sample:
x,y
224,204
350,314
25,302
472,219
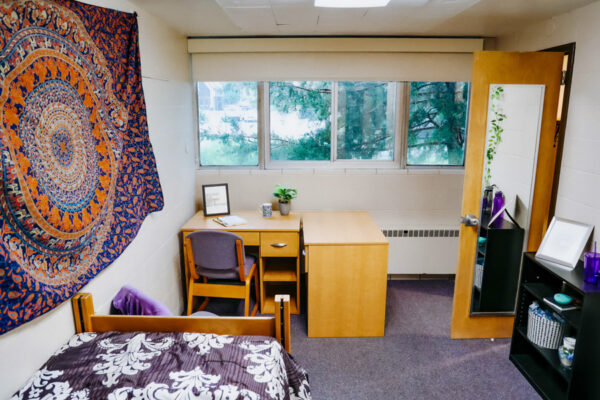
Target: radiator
x,y
420,233
422,250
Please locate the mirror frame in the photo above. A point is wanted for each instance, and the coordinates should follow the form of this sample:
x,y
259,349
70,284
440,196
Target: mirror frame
x,y
512,196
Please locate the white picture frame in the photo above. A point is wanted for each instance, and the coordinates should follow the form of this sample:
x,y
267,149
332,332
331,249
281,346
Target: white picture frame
x,y
564,242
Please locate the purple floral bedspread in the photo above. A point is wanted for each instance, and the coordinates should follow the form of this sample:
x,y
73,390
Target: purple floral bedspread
x,y
178,366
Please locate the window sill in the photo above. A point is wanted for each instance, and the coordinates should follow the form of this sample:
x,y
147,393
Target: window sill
x,y
330,171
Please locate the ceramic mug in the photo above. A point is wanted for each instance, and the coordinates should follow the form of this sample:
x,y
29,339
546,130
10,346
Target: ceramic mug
x,y
267,210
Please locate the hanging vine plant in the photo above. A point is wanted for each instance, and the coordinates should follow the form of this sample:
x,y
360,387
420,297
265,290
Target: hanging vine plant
x,y
495,131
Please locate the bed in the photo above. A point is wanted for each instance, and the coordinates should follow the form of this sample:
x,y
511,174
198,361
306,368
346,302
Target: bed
x,y
180,358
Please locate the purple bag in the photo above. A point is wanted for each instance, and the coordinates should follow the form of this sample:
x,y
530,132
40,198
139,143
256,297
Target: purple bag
x,y
130,301
497,206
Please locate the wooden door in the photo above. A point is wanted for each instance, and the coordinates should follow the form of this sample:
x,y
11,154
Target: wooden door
x,y
492,67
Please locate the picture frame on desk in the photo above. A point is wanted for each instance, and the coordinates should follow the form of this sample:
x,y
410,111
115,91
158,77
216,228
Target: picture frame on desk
x,y
564,242
215,199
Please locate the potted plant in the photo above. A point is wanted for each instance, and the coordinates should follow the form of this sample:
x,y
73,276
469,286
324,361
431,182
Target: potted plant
x,y
285,195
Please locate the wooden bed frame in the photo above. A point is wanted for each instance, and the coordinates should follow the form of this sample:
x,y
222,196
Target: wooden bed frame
x,y
278,326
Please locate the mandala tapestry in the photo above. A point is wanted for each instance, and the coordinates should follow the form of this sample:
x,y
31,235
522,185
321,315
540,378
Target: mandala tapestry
x,y
77,171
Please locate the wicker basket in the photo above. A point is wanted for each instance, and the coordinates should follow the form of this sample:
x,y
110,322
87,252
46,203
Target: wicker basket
x,y
545,332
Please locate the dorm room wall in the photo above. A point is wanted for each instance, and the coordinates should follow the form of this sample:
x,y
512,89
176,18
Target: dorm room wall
x,y
151,262
396,198
579,186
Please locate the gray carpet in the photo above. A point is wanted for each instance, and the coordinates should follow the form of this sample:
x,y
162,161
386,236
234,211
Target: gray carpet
x,y
415,360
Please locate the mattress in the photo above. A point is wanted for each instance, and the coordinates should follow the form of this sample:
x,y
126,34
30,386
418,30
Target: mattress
x,y
140,365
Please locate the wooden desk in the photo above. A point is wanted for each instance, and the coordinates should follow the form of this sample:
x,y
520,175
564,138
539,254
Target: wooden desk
x,y
278,242
346,265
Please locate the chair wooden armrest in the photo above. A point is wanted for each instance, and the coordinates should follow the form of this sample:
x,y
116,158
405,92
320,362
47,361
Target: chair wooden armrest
x,y
251,274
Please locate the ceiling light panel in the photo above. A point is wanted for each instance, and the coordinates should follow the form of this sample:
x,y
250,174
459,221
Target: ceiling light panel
x,y
351,3
244,3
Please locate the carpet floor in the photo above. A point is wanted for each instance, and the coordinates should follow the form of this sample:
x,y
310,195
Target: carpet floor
x,y
415,360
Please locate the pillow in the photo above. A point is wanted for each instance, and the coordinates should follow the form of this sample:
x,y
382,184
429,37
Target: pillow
x,y
130,301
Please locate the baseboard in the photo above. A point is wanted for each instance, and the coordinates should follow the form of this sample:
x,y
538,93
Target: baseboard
x,y
421,277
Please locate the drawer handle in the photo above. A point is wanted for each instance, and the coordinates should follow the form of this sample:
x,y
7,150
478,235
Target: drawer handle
x,y
279,245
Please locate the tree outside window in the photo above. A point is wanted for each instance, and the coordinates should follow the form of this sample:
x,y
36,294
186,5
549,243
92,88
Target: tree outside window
x,y
228,123
305,126
437,123
300,120
365,121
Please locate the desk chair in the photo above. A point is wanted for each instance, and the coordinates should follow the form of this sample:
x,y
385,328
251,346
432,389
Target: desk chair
x,y
218,267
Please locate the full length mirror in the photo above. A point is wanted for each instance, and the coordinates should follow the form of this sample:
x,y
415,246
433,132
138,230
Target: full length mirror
x,y
512,136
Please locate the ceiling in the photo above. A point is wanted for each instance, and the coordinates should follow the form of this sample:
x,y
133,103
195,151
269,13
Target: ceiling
x,y
489,18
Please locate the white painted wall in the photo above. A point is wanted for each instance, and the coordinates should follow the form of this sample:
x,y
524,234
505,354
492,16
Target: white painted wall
x,y
151,262
579,187
397,199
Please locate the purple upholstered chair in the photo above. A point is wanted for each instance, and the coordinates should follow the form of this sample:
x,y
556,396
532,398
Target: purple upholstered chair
x,y
218,267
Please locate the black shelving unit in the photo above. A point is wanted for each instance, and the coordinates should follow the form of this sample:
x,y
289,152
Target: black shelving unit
x,y
501,267
541,366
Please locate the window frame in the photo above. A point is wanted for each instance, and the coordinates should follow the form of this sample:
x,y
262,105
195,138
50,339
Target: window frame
x,y
401,126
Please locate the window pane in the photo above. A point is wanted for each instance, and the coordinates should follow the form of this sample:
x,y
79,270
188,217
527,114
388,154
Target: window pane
x,y
228,125
437,129
300,120
365,121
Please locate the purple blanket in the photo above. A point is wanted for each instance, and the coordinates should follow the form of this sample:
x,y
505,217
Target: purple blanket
x,y
120,366
130,301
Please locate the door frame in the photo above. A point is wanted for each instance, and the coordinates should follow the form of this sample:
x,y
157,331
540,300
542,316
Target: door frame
x,y
568,50
495,67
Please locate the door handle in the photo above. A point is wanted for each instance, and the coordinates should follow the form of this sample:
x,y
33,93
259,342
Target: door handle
x,y
279,245
469,220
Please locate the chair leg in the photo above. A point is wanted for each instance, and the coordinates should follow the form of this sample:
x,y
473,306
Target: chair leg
x,y
204,304
247,301
257,290
206,299
190,306
190,300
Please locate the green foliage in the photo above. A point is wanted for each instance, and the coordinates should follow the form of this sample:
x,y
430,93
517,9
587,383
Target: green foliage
x,y
313,146
363,115
495,131
365,123
284,194
311,100
234,92
230,143
230,147
437,123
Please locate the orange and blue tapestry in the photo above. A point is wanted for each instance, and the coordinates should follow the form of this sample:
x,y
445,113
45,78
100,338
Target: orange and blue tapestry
x,y
77,171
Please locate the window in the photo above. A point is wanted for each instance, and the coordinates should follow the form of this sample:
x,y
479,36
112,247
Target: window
x,y
324,123
437,130
300,120
365,121
228,123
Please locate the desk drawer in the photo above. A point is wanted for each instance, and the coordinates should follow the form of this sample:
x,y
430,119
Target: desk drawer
x,y
250,238
279,244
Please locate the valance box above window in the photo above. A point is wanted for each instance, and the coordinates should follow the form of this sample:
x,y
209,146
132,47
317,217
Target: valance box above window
x,y
366,59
